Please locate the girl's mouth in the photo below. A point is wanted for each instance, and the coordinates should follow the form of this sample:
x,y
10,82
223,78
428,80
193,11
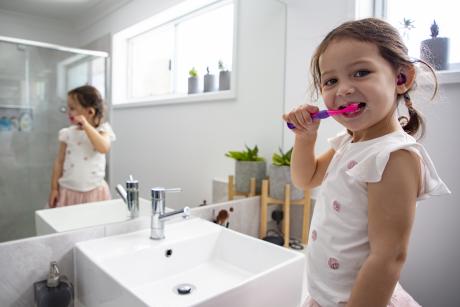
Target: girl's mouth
x,y
361,107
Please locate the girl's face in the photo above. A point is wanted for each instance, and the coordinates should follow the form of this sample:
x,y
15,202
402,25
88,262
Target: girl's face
x,y
75,109
354,72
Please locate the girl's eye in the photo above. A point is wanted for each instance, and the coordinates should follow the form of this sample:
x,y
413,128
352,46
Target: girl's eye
x,y
329,82
361,73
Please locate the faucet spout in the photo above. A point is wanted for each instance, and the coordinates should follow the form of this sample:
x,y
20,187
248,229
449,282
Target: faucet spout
x,y
157,225
157,229
130,196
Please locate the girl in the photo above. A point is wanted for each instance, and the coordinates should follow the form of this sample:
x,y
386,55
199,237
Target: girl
x,y
373,174
79,169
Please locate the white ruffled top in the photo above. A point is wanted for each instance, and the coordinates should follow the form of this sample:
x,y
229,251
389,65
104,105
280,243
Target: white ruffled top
x,y
339,243
84,167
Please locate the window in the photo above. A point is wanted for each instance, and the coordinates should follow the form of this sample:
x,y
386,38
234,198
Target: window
x,y
78,70
152,59
421,14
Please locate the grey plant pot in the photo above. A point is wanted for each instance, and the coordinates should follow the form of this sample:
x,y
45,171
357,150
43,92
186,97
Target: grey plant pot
x,y
245,170
279,176
193,85
209,83
224,80
436,52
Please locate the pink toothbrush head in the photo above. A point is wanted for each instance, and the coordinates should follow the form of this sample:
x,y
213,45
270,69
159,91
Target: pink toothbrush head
x,y
326,113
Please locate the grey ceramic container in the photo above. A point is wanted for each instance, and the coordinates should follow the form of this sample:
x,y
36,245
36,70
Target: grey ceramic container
x,y
436,52
279,176
209,83
245,170
224,80
193,85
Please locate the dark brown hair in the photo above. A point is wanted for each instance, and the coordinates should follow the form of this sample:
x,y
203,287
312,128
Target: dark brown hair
x,y
391,47
89,97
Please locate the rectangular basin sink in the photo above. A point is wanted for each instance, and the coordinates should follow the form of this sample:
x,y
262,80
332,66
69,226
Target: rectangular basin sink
x,y
198,264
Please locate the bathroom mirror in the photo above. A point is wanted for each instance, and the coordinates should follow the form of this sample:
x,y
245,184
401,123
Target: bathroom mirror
x,y
162,144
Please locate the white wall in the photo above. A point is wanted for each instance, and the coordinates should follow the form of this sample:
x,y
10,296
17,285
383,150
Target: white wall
x,y
431,273
37,29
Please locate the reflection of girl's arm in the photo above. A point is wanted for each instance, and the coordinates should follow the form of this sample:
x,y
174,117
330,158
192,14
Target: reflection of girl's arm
x,y
58,166
100,140
56,174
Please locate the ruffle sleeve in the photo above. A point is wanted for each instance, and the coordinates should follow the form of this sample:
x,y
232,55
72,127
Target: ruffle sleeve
x,y
370,169
63,135
105,127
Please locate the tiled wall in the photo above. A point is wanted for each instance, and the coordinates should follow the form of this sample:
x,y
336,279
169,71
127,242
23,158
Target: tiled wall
x,y
26,261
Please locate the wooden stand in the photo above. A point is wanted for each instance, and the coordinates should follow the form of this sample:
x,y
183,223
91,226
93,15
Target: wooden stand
x,y
232,192
266,200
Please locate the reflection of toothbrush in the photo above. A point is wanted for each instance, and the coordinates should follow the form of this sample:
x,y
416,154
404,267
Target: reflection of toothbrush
x,y
326,113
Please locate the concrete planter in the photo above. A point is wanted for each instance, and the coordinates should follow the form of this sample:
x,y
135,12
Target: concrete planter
x,y
279,176
245,170
436,52
224,80
193,85
209,83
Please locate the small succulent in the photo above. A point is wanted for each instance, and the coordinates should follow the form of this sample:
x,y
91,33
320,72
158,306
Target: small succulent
x,y
245,155
193,73
282,159
408,24
434,29
221,65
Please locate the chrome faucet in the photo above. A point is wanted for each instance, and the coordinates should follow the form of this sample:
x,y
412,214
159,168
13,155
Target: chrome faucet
x,y
130,196
157,226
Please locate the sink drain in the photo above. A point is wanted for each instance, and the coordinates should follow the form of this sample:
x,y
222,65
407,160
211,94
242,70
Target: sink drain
x,y
184,289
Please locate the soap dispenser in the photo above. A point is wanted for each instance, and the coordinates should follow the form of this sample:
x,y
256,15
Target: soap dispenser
x,y
56,290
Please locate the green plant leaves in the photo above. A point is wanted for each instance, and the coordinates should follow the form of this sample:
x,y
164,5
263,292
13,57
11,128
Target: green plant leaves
x,y
245,155
282,159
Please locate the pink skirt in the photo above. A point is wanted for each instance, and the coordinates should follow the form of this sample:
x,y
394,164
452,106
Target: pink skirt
x,y
68,197
400,298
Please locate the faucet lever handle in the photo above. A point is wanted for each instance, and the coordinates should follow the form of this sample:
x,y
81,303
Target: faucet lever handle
x,y
173,190
159,192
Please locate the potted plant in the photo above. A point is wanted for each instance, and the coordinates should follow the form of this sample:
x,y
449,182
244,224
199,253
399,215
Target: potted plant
x,y
279,173
224,77
192,81
436,49
248,165
209,82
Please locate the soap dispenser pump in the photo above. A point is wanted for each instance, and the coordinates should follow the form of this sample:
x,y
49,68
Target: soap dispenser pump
x,y
56,290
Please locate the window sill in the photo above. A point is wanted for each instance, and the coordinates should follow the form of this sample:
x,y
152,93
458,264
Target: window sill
x,y
449,76
174,99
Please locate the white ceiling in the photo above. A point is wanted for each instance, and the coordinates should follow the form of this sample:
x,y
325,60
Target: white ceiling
x,y
62,9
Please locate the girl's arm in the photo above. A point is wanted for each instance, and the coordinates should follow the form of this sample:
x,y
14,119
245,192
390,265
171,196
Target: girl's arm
x,y
307,171
56,174
391,214
100,140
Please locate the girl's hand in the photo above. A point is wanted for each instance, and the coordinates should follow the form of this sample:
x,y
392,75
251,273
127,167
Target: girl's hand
x,y
301,118
53,199
80,121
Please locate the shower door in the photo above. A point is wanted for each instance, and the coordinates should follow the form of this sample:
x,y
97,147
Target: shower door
x,y
34,81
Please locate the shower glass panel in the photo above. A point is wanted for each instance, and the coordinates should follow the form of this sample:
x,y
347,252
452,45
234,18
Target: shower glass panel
x,y
34,81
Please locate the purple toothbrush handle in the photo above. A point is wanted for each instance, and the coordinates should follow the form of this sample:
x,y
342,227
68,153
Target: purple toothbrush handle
x,y
318,115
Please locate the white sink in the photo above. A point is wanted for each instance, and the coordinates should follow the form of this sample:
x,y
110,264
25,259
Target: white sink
x,y
85,215
224,267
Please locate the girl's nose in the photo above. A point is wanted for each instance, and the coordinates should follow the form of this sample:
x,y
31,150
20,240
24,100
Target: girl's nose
x,y
345,89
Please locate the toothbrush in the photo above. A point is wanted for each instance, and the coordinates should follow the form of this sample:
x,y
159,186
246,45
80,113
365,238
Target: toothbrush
x,y
326,113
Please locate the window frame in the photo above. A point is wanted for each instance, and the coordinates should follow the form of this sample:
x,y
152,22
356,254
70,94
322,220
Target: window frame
x,y
171,16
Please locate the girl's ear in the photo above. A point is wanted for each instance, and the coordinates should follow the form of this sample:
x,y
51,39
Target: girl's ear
x,y
91,111
405,79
